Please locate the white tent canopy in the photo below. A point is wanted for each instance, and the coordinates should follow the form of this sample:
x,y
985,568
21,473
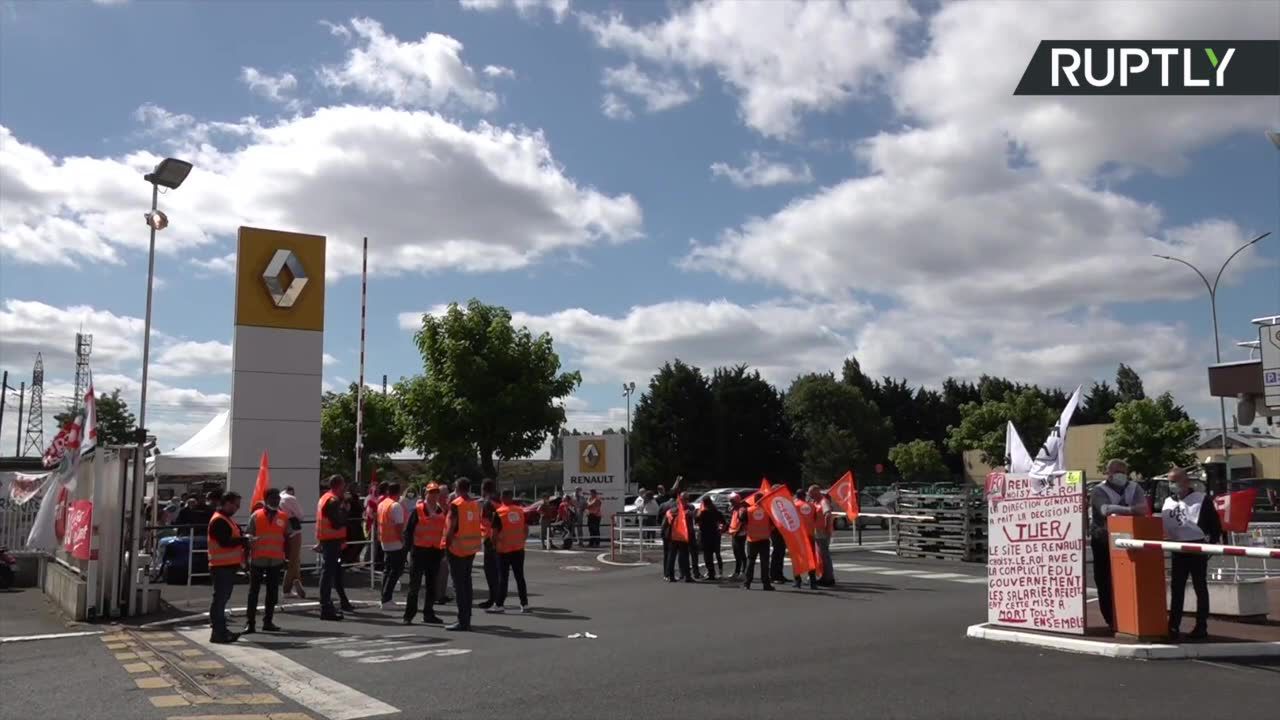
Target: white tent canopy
x,y
205,453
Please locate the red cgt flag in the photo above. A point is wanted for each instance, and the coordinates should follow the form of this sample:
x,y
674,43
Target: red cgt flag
x,y
845,493
264,482
1236,509
790,524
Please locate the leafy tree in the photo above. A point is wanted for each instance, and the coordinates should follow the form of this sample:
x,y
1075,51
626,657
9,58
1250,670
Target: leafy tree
x,y
851,374
669,430
487,390
918,460
383,434
1151,435
752,435
115,423
1097,404
837,428
982,425
1129,384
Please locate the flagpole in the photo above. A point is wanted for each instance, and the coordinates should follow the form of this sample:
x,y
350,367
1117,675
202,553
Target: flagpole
x,y
364,285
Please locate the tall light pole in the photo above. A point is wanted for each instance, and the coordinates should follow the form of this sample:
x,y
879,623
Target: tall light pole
x,y
1217,346
169,173
628,389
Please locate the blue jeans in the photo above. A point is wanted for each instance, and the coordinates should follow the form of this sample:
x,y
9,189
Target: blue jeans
x,y
224,581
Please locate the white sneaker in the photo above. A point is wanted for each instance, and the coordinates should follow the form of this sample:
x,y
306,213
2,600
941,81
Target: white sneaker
x,y
496,610
524,609
382,605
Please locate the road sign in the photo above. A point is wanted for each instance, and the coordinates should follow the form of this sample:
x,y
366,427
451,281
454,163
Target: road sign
x,y
1269,340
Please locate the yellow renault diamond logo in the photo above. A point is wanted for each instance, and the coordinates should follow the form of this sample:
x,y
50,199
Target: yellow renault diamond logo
x,y
285,278
592,456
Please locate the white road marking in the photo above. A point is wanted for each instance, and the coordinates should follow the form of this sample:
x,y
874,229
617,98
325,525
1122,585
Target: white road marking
x,y
203,617
50,636
853,567
579,568
922,574
902,572
942,576
885,552
308,688
388,648
974,581
604,558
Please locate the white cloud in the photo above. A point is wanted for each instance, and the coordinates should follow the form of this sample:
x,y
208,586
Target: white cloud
x,y
29,327
189,358
329,360
276,88
220,265
496,197
655,93
496,71
755,47
428,73
763,172
527,8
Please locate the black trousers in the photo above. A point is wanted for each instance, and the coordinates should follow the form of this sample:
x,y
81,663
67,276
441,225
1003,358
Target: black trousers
x,y
424,567
678,552
392,570
739,554
1102,579
757,550
259,574
224,581
593,526
776,571
331,574
491,570
693,553
710,548
666,554
512,563
1196,566
460,571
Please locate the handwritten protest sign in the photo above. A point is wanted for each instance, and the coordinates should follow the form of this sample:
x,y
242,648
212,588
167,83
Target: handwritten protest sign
x,y
1035,565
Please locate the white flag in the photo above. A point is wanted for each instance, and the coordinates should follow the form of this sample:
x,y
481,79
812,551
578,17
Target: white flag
x,y
1052,458
1015,451
89,432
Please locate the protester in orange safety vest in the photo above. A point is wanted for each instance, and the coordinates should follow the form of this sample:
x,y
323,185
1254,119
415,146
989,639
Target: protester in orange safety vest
x,y
488,505
595,510
462,541
806,528
425,530
269,530
331,534
758,530
823,527
510,531
738,531
677,529
391,522
226,554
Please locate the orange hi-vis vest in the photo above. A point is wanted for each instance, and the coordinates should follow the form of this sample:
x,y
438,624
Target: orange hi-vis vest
x,y
758,526
821,520
388,532
466,541
428,534
806,516
269,535
736,527
324,529
223,555
514,532
678,519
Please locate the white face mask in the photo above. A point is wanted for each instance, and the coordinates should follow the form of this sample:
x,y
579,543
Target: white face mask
x,y
1118,479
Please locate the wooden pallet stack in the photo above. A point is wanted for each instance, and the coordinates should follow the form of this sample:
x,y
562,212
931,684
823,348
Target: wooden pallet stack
x,y
959,528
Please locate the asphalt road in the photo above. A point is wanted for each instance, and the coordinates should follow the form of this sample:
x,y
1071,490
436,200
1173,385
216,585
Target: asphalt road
x,y
888,642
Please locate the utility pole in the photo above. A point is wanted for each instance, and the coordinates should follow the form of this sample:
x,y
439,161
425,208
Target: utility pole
x,y
4,393
384,384
22,395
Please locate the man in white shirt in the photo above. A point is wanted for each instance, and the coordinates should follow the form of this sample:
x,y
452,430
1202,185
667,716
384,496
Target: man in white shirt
x,y
391,521
1188,518
293,575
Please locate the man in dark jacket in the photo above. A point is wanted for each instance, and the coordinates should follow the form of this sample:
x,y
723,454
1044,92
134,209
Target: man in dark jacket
x,y
335,511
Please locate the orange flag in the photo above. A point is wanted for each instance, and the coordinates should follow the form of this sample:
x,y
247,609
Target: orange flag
x,y
845,493
264,482
781,507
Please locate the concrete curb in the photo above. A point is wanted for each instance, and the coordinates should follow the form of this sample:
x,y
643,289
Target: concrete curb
x,y
1127,651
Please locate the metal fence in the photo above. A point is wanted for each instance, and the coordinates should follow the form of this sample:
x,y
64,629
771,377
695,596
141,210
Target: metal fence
x,y
16,521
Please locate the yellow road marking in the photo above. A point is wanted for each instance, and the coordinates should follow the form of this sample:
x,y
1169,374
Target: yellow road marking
x,y
191,652
126,656
202,665
152,683
168,701
253,716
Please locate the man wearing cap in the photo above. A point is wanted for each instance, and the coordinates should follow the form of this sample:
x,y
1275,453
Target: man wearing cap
x,y
425,529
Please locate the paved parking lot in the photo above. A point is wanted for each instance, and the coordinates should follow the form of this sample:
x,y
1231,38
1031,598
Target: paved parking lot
x,y
612,641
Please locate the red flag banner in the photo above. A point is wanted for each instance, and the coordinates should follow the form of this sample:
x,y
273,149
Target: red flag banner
x,y
1236,509
845,493
781,507
264,482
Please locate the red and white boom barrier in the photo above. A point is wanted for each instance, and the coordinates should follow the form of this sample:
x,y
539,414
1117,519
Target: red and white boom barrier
x,y
1235,550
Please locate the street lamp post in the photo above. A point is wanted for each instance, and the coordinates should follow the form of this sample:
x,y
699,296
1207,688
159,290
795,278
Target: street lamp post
x,y
169,173
628,389
1217,346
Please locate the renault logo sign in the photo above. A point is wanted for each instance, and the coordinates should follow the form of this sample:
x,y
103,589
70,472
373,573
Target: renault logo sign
x,y
285,278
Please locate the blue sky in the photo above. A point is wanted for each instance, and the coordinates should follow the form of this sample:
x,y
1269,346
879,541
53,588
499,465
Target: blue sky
x,y
782,184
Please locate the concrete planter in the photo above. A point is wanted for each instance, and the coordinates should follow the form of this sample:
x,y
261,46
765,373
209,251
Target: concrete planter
x,y
64,588
1245,599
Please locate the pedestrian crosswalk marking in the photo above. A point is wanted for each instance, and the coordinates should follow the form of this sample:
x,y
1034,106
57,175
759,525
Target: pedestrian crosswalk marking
x,y
899,572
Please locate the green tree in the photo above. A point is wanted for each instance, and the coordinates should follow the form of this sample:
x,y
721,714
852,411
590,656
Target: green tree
x,y
383,435
1129,384
919,460
1150,435
670,428
982,425
752,437
837,428
114,422
1097,404
488,389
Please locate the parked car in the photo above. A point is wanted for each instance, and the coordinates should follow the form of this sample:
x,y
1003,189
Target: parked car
x,y
868,509
720,497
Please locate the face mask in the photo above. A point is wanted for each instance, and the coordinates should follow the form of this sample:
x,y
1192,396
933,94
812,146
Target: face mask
x,y
1118,479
